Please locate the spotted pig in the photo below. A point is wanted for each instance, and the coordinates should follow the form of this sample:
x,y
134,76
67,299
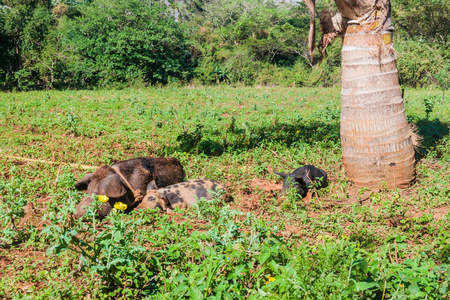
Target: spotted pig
x,y
183,194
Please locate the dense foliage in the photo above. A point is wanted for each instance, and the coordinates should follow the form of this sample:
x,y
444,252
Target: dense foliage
x,y
81,44
123,40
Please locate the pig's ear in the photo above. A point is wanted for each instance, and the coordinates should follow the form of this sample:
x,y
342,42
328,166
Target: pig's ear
x,y
162,197
82,185
151,186
301,181
112,186
283,175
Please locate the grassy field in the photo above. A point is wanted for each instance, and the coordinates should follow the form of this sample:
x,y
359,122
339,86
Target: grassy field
x,y
344,242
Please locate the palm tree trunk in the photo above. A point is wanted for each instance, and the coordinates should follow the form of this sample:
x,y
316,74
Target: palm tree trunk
x,y
376,139
377,142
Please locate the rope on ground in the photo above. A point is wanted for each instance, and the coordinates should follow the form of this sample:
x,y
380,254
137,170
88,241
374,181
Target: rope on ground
x,y
84,167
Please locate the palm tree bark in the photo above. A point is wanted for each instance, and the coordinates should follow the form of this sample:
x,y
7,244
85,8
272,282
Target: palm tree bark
x,y
377,144
377,141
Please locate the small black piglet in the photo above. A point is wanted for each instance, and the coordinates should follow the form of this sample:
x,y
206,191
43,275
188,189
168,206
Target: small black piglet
x,y
302,178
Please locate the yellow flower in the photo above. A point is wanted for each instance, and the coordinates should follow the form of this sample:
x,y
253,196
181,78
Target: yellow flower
x,y
103,198
270,279
114,210
120,206
298,131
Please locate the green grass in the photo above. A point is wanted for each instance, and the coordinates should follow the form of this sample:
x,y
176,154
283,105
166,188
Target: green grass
x,y
346,242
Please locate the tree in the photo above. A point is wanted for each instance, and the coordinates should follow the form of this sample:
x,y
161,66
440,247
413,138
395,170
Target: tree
x,y
377,141
125,41
24,26
424,19
252,41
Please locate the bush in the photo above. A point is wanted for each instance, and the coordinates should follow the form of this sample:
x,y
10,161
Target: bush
x,y
124,41
418,62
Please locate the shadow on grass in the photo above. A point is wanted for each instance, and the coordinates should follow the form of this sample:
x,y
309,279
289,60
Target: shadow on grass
x,y
432,132
202,139
243,138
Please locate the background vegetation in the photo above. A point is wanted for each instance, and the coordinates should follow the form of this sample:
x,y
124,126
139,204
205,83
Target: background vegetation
x,y
85,44
343,243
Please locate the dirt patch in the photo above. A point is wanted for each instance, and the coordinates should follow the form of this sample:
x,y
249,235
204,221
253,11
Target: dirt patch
x,y
438,212
34,212
4,261
266,186
254,194
248,203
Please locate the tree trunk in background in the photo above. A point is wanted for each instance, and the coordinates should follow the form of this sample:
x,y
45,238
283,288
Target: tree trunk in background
x,y
376,138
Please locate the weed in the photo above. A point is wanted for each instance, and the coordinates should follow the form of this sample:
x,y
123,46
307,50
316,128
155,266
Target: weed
x,y
429,106
71,122
11,211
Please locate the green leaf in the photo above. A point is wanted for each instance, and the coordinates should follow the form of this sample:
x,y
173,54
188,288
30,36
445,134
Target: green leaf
x,y
414,289
264,257
362,286
55,248
239,269
262,293
181,289
194,293
361,263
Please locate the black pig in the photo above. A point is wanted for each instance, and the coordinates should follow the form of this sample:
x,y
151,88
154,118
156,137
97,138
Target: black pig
x,y
302,178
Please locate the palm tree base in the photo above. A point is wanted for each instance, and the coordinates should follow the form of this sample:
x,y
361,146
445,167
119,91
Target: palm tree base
x,y
376,138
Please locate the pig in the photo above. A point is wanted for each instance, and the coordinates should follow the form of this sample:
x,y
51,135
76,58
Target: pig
x,y
143,173
182,194
302,178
